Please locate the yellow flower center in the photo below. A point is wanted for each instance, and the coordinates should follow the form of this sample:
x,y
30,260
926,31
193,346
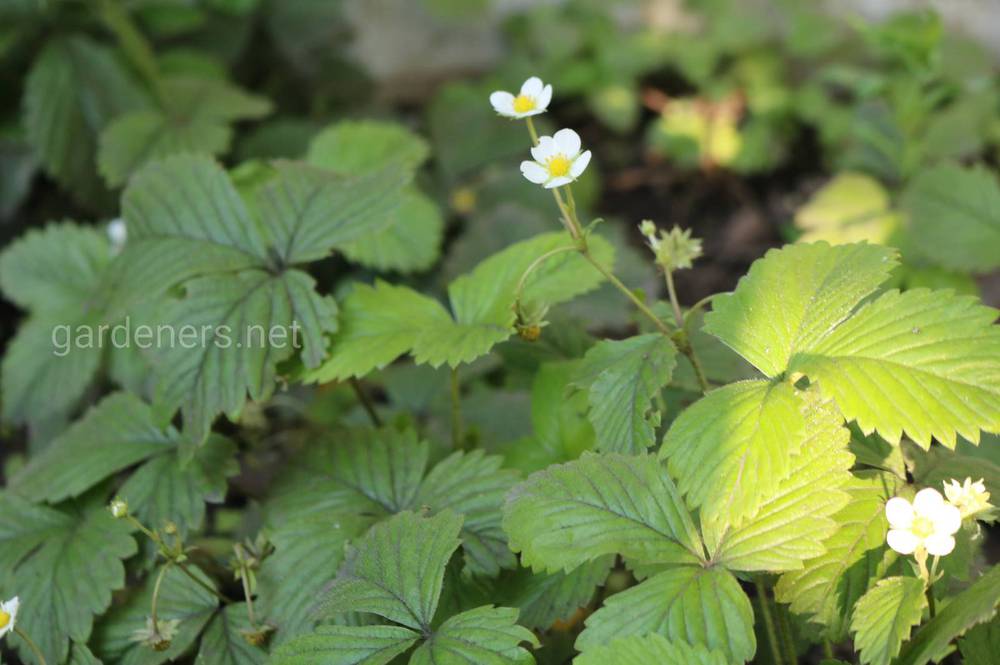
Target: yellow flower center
x,y
558,166
523,104
922,527
4,619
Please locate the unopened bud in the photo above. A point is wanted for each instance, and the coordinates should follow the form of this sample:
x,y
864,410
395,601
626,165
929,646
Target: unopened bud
x,y
119,508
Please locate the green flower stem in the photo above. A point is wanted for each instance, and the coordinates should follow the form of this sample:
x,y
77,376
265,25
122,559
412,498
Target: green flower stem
x,y
785,633
682,339
31,645
531,130
828,649
245,579
365,401
194,578
156,594
519,290
766,611
457,436
135,46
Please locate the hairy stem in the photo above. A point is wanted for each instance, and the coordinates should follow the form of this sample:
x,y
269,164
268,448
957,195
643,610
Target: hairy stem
x,y
457,436
365,401
766,610
208,587
683,341
31,645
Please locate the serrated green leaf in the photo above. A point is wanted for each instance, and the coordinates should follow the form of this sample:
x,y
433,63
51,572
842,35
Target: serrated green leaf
x,y
195,116
622,377
793,296
226,642
652,648
544,598
485,636
410,242
74,88
356,147
980,645
884,616
379,323
975,605
80,654
923,363
703,606
115,434
730,449
851,207
181,599
63,564
396,569
569,514
955,216
346,645
792,523
828,585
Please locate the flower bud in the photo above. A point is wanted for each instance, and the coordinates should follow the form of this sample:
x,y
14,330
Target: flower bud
x,y
119,508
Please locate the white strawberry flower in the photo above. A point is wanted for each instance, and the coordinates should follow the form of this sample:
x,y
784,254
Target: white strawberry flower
x,y
971,498
8,615
927,526
533,99
558,160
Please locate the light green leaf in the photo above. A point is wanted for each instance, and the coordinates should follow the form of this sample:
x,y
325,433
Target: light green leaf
x,y
225,640
485,636
828,585
622,377
73,90
703,606
346,645
793,296
793,522
196,116
569,514
851,207
411,241
731,448
63,564
652,648
115,434
975,605
356,147
180,599
921,363
884,617
955,216
396,569
544,598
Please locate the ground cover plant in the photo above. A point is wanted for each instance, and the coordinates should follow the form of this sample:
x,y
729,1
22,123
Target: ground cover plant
x,y
633,342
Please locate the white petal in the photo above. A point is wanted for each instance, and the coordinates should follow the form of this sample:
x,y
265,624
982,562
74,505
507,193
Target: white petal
x,y
939,545
927,501
568,142
534,172
579,164
902,541
503,103
952,490
544,98
558,182
947,520
546,149
532,88
899,512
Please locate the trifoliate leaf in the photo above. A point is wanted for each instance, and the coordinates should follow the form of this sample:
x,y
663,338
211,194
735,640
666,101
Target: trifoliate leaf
x,y
851,207
379,323
828,585
346,645
884,616
181,599
195,116
652,648
792,523
63,564
357,147
569,514
228,640
793,296
622,377
702,606
921,363
234,351
731,448
308,550
112,436
955,216
410,242
486,635
75,88
396,569
544,598
975,605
